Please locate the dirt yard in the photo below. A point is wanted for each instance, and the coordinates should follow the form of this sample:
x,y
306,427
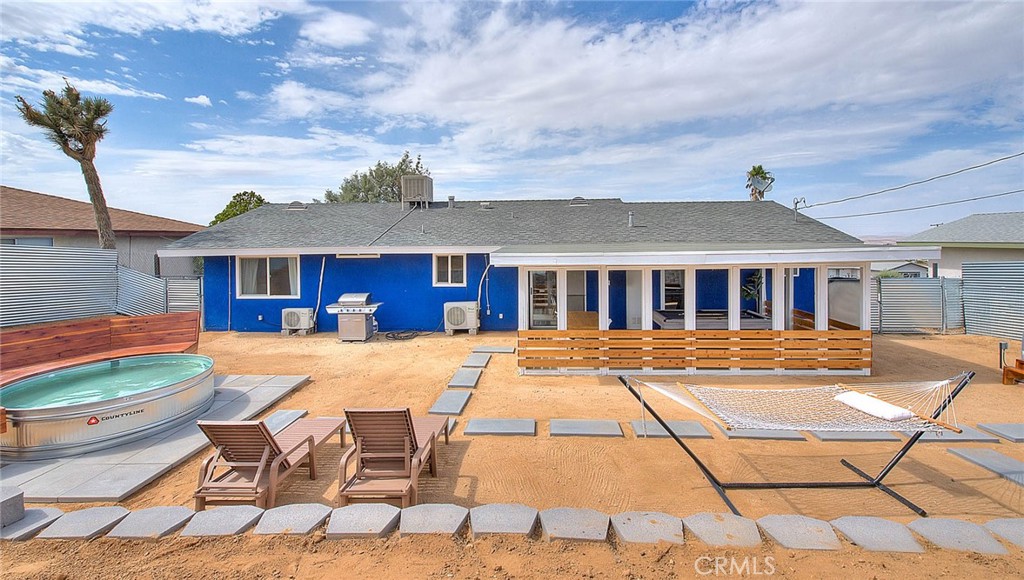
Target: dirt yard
x,y
610,475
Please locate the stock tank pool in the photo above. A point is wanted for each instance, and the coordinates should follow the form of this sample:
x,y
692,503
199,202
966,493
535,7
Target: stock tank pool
x,y
99,405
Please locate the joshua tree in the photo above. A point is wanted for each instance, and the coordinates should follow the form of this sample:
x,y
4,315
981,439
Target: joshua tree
x,y
759,182
75,125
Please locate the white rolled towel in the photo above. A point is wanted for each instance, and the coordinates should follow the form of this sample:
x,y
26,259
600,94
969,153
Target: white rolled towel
x,y
874,407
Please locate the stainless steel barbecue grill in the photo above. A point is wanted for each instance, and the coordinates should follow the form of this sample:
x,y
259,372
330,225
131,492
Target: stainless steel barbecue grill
x,y
355,315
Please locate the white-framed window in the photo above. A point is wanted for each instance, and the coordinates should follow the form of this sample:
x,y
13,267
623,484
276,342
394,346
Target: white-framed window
x,y
449,269
268,277
27,241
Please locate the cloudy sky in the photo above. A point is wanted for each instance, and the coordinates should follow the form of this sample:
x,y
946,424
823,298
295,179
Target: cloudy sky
x,y
637,100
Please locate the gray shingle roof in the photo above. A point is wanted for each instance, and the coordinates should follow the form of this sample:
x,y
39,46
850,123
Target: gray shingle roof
x,y
519,223
980,228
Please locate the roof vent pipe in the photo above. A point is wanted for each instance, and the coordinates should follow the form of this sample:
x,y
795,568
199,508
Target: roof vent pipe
x,y
451,201
630,219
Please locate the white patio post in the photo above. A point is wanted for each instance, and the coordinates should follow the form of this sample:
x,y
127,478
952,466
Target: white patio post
x,y
561,298
647,299
690,298
821,297
734,297
602,298
779,298
524,299
865,296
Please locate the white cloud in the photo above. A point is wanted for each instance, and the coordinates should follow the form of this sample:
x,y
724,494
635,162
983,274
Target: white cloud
x,y
245,96
18,78
337,30
294,100
118,56
201,100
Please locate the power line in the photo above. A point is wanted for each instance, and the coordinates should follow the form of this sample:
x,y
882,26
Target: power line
x,y
839,217
906,185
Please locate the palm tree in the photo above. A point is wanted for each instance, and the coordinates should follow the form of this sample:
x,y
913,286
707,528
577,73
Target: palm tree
x,y
759,182
75,125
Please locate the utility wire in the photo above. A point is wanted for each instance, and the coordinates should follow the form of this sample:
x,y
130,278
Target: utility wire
x,y
839,217
906,185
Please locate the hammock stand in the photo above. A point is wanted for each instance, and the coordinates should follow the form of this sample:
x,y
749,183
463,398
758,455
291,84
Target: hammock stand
x,y
866,481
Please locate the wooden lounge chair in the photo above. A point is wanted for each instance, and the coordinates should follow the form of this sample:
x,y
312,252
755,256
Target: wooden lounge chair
x,y
249,462
391,448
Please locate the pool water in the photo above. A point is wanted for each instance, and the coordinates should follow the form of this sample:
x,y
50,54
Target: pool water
x,y
103,381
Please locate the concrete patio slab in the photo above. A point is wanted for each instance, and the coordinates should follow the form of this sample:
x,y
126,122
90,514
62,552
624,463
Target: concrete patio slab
x,y
585,428
223,521
363,520
854,436
501,427
799,532
12,504
84,524
465,378
433,518
48,487
294,520
35,519
290,381
477,360
877,534
955,534
17,473
243,382
495,349
151,523
282,418
768,434
722,530
648,528
115,483
1009,529
502,518
574,524
1012,432
682,429
994,461
450,403
223,380
969,435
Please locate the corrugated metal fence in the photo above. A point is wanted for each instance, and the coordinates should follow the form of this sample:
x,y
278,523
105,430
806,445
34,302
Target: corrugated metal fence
x,y
909,305
139,293
183,294
994,298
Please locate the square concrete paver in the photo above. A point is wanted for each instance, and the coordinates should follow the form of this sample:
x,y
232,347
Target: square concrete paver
x,y
84,524
363,520
799,532
993,461
502,518
574,524
854,436
1009,529
295,519
477,360
1013,432
501,427
877,534
223,521
495,349
450,402
151,523
769,434
723,530
946,436
433,518
465,378
585,428
648,528
35,519
955,534
682,429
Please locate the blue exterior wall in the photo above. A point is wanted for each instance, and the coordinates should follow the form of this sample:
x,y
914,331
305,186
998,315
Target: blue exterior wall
x,y
803,289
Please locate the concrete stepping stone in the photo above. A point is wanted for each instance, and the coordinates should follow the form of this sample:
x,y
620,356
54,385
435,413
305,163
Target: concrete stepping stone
x,y
450,403
648,528
223,521
799,532
723,530
84,524
293,520
502,518
501,427
993,461
574,524
465,378
363,520
854,436
585,428
151,523
495,349
946,436
35,519
477,360
1009,529
955,534
682,429
1013,432
769,434
877,534
433,518
12,504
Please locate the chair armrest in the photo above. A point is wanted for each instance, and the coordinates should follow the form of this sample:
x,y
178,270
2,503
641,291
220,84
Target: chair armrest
x,y
343,465
275,465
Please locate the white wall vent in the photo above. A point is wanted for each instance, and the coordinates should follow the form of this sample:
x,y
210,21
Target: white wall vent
x,y
297,320
461,316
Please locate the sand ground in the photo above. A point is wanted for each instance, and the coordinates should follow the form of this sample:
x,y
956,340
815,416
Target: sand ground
x,y
610,475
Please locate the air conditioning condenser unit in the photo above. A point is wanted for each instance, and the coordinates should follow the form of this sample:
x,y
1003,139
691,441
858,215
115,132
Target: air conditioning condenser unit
x,y
461,316
297,321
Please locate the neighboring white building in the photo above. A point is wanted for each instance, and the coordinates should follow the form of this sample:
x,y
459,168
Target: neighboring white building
x,y
983,237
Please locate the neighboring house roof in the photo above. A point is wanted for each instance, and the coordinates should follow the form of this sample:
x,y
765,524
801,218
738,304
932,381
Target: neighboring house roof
x,y
517,223
883,266
24,212
989,230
